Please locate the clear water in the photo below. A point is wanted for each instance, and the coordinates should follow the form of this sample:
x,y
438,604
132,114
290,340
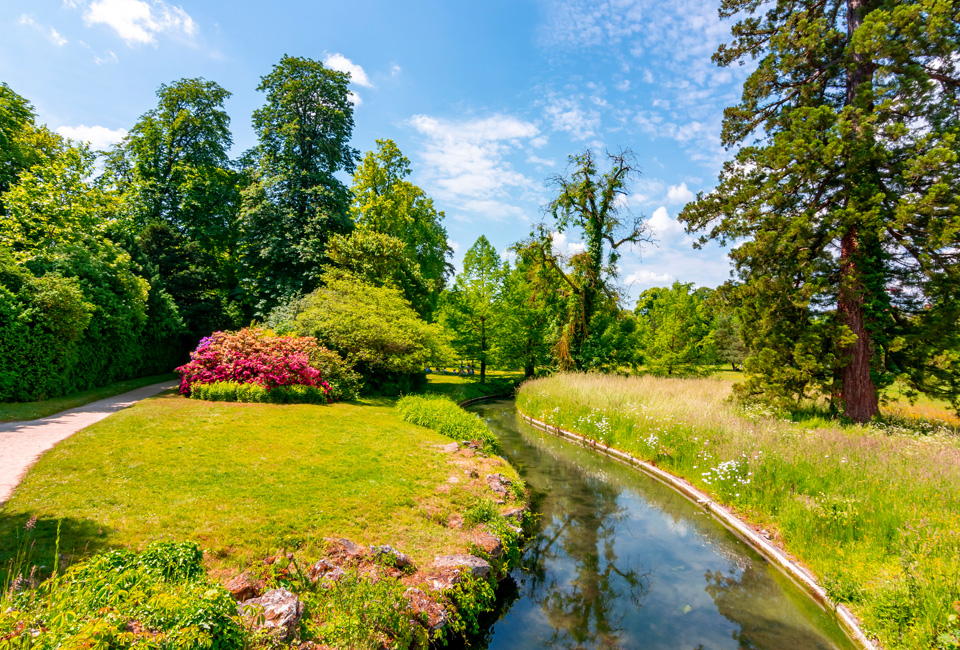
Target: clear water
x,y
621,561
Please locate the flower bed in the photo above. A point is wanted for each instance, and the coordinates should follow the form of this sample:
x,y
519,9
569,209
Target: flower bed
x,y
254,365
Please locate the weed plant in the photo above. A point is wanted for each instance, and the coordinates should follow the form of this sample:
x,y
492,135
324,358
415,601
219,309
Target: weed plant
x,y
873,510
442,414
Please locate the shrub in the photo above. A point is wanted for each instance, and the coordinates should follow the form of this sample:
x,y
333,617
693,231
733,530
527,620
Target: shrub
x,y
231,391
444,416
252,356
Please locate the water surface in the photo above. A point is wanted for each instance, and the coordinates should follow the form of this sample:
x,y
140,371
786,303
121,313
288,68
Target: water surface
x,y
621,561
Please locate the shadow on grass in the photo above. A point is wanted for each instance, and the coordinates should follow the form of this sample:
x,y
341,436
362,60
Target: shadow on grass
x,y
79,539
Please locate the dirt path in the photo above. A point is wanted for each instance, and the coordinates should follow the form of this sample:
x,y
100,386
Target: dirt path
x,y
22,443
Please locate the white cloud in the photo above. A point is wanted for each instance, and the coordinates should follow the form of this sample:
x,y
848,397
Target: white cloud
x,y
57,39
99,137
464,161
139,21
52,34
623,86
565,114
27,20
539,142
108,57
647,278
663,224
395,70
679,194
354,98
537,160
340,63
454,246
562,246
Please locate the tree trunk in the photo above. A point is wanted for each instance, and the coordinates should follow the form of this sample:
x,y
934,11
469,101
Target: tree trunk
x,y
858,392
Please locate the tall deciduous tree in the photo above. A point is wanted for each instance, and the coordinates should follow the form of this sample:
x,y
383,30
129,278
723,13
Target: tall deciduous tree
x,y
676,330
471,308
843,194
295,202
527,315
592,204
384,201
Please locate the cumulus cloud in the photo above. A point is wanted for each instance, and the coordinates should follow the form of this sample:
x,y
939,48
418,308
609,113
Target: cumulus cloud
x,y
99,137
648,278
340,63
139,21
465,160
562,246
663,224
679,194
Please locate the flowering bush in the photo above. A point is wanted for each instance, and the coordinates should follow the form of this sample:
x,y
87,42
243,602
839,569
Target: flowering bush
x,y
252,356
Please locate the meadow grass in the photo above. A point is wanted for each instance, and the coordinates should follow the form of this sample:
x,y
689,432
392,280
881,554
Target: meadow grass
x,y
460,388
243,480
873,511
16,411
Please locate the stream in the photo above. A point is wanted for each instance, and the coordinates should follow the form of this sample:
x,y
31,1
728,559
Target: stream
x,y
619,560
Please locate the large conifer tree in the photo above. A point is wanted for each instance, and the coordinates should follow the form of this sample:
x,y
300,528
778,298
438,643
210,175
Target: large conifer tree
x,y
842,197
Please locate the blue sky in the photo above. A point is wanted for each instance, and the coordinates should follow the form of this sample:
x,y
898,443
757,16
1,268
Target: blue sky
x,y
487,99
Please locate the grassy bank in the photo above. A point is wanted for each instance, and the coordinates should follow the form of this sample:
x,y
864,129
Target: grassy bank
x,y
874,511
463,388
15,411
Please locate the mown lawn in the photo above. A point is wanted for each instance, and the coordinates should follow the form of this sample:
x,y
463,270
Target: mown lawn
x,y
874,510
464,388
244,480
15,411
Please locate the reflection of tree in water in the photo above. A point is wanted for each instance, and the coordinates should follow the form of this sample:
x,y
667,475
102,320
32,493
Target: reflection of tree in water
x,y
578,527
754,602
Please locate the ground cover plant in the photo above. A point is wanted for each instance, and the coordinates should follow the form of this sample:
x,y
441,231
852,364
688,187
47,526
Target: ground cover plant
x,y
15,411
442,414
873,510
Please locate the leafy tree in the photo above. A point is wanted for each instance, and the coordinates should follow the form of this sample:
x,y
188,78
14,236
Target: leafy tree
x,y
16,115
382,260
527,320
593,204
373,328
294,202
728,340
841,196
676,333
471,309
384,201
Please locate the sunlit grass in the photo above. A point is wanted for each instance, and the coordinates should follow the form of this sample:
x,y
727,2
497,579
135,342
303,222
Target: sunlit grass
x,y
874,511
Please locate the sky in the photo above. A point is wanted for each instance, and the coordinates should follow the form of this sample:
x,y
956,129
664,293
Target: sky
x,y
487,99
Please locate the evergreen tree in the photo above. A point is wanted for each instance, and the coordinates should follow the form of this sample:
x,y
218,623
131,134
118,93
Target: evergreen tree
x,y
842,195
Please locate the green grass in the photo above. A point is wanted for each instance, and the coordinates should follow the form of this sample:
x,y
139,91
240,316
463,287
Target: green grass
x,y
463,388
244,480
874,511
15,411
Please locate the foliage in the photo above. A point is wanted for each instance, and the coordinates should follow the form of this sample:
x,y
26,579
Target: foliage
x,y
374,329
472,307
344,381
442,414
527,320
157,599
385,202
252,356
16,116
839,199
232,391
676,330
872,510
294,201
594,204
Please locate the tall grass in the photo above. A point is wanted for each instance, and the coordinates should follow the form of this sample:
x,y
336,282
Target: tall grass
x,y
442,414
873,510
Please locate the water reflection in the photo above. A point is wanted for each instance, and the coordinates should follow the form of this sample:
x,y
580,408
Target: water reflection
x,y
621,561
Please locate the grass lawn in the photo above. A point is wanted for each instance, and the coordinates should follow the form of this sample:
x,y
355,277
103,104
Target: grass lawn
x,y
244,480
873,510
464,388
14,411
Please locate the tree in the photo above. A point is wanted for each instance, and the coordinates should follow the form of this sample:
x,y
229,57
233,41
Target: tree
x,y
385,202
841,195
675,326
182,195
527,314
294,201
471,308
594,204
16,115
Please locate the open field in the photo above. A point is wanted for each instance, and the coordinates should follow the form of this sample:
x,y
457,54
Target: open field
x,y
244,480
874,511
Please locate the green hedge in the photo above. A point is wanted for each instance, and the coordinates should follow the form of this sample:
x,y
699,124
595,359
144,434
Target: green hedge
x,y
231,391
444,416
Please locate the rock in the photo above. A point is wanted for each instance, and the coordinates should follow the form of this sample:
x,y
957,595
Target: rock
x,y
467,453
453,479
455,521
489,543
243,587
429,612
516,514
476,445
472,473
498,483
391,556
324,570
449,449
345,548
478,567
278,611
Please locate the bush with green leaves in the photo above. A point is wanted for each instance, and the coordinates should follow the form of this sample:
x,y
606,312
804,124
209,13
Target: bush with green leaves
x,y
160,598
442,414
232,391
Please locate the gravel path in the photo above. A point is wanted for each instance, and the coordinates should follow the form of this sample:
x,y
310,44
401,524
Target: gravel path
x,y
22,443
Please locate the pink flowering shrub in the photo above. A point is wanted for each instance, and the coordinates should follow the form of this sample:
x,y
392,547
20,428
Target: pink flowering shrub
x,y
252,356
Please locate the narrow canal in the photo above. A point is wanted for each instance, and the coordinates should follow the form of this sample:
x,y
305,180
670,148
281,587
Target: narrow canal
x,y
621,561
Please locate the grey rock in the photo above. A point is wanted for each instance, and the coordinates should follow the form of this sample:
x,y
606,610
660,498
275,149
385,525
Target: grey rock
x,y
478,567
431,614
278,611
392,556
498,483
